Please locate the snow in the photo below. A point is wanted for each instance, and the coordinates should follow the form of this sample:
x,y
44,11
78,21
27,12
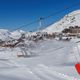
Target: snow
x,y
48,59
4,34
52,60
71,19
17,34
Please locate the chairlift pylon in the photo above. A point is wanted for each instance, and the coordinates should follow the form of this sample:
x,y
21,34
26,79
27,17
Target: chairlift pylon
x,y
40,23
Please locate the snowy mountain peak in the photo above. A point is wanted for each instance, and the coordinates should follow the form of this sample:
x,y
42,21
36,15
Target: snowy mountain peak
x,y
4,34
17,34
71,19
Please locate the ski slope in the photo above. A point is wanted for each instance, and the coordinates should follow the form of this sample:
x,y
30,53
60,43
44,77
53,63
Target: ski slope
x,y
48,60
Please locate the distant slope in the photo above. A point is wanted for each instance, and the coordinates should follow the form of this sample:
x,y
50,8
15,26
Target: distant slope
x,y
4,34
17,34
71,19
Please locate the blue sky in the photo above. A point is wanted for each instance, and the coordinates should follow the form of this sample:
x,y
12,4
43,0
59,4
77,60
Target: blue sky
x,y
15,13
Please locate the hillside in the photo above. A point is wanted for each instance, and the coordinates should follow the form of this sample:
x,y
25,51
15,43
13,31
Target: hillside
x,y
71,19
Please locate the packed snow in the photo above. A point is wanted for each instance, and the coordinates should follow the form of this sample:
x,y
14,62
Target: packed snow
x,y
47,60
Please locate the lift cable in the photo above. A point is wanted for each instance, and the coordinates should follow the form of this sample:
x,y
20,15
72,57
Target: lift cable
x,y
49,16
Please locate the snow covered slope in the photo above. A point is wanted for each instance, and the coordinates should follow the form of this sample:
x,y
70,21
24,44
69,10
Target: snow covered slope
x,y
4,34
52,60
71,19
17,34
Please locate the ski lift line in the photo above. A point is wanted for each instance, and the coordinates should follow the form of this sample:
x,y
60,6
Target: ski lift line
x,y
33,22
60,11
49,16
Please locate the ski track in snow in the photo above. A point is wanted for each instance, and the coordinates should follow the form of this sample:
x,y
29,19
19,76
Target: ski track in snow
x,y
16,68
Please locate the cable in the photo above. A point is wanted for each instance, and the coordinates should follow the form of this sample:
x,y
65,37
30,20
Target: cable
x,y
26,24
53,14
60,11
